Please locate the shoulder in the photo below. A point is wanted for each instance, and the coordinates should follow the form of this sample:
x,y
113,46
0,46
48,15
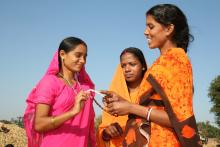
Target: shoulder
x,y
175,57
173,63
49,78
178,55
49,82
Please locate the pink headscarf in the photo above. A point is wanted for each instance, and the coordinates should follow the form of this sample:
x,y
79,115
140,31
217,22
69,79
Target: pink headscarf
x,y
34,138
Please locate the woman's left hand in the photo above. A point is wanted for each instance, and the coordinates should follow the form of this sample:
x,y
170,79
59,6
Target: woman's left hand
x,y
115,104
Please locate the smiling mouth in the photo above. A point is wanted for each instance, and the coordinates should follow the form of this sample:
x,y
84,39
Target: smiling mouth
x,y
80,65
128,76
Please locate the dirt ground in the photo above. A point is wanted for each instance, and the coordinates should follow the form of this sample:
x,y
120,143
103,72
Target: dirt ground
x,y
212,142
17,137
12,134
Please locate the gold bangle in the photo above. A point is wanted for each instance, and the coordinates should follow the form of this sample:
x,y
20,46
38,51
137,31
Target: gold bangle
x,y
53,121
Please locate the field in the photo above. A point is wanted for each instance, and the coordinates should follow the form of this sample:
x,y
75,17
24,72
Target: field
x,y
12,134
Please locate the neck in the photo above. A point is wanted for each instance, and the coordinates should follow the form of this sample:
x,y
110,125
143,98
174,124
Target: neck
x,y
133,86
68,76
168,45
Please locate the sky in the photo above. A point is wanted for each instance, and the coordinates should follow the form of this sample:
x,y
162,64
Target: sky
x,y
31,31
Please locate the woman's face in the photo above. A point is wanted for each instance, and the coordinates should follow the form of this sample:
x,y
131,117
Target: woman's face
x,y
132,67
155,32
75,59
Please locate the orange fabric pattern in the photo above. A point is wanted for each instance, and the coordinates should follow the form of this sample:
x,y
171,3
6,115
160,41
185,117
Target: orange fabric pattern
x,y
130,138
188,132
174,73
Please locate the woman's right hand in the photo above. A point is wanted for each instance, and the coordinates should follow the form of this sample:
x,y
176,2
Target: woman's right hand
x,y
115,104
81,97
113,130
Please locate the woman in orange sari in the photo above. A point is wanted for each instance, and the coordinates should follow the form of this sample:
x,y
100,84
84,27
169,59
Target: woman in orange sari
x,y
164,112
126,82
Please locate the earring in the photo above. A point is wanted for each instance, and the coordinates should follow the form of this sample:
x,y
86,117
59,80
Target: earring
x,y
143,68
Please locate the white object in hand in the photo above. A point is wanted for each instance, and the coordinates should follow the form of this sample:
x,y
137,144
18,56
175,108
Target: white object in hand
x,y
95,91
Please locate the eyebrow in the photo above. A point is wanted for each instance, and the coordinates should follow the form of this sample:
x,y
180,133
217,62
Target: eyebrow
x,y
81,53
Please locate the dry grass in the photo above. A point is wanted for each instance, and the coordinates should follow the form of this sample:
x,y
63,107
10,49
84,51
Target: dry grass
x,y
212,142
15,136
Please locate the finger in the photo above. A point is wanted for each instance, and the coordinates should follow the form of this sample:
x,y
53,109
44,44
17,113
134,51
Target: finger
x,y
114,131
119,128
113,99
107,93
104,101
84,98
87,94
110,110
115,114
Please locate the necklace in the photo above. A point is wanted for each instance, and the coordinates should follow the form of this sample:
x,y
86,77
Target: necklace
x,y
90,90
65,79
74,90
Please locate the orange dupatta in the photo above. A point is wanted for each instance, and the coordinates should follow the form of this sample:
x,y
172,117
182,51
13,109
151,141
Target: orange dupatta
x,y
119,86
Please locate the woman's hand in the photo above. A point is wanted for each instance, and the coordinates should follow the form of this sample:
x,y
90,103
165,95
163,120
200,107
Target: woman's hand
x,y
114,130
81,97
115,104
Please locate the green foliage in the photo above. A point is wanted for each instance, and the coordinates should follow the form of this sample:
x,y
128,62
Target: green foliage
x,y
208,131
5,121
214,94
98,121
18,121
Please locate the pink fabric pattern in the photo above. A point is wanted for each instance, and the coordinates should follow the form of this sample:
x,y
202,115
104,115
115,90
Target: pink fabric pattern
x,y
78,131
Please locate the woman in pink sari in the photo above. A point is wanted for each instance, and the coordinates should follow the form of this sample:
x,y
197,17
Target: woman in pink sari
x,y
59,111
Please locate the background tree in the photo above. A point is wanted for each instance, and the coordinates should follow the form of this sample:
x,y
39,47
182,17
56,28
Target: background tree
x,y
214,94
207,130
18,121
98,121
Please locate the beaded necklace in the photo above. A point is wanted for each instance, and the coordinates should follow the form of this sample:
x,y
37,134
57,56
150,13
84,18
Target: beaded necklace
x,y
74,90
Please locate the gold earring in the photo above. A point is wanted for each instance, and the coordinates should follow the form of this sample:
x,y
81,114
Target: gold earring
x,y
143,68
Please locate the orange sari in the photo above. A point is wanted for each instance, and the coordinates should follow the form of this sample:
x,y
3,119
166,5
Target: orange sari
x,y
119,86
173,72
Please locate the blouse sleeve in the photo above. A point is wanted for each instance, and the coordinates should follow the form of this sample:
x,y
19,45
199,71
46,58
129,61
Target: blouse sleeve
x,y
45,90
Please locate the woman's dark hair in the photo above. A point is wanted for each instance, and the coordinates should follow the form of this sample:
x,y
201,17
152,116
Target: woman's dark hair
x,y
167,14
69,44
9,145
138,54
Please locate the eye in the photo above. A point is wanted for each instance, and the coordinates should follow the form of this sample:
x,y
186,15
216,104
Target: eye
x,y
123,65
77,55
150,26
132,64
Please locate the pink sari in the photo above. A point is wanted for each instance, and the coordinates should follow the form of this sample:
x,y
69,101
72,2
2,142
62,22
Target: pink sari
x,y
78,131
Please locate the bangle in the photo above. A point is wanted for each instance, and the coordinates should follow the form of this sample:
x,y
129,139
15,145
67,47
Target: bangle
x,y
148,108
148,114
53,121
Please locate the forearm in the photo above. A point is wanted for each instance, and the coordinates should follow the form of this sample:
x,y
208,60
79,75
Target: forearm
x,y
160,117
138,110
46,123
157,116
